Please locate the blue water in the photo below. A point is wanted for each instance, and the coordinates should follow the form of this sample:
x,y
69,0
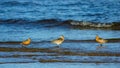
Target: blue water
x,y
86,10
27,13
42,21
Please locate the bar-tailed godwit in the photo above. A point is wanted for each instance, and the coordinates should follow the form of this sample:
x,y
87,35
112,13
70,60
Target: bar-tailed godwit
x,y
59,40
26,42
100,40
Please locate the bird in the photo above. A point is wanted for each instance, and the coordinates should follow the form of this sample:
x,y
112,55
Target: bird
x,y
26,42
100,40
58,41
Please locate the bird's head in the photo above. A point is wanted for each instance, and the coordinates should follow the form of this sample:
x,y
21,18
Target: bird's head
x,y
97,36
62,36
29,39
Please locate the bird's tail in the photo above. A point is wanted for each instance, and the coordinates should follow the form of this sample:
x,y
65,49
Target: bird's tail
x,y
53,41
21,43
106,41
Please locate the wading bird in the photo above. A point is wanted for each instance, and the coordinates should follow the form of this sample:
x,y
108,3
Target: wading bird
x,y
59,40
100,40
26,42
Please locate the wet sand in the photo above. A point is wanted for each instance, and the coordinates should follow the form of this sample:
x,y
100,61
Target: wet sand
x,y
45,52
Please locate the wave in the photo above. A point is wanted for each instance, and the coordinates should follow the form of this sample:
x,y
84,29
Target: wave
x,y
87,25
71,23
13,21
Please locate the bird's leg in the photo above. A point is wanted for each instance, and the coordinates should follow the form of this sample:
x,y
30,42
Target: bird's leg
x,y
98,47
57,46
23,46
101,45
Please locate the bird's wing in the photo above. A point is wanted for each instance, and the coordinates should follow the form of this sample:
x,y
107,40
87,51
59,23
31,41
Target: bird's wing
x,y
106,40
59,39
103,39
100,38
56,39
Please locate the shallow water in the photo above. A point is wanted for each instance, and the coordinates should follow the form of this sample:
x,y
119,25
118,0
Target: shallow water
x,y
63,65
44,20
79,45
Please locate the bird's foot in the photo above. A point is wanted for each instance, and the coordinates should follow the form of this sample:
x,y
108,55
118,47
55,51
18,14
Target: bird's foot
x,y
100,47
57,46
23,46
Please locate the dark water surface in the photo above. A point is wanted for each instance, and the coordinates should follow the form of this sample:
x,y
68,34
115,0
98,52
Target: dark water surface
x,y
86,10
44,20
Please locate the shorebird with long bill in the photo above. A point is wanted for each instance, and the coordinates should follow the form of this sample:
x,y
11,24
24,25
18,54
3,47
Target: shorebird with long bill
x,y
59,40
